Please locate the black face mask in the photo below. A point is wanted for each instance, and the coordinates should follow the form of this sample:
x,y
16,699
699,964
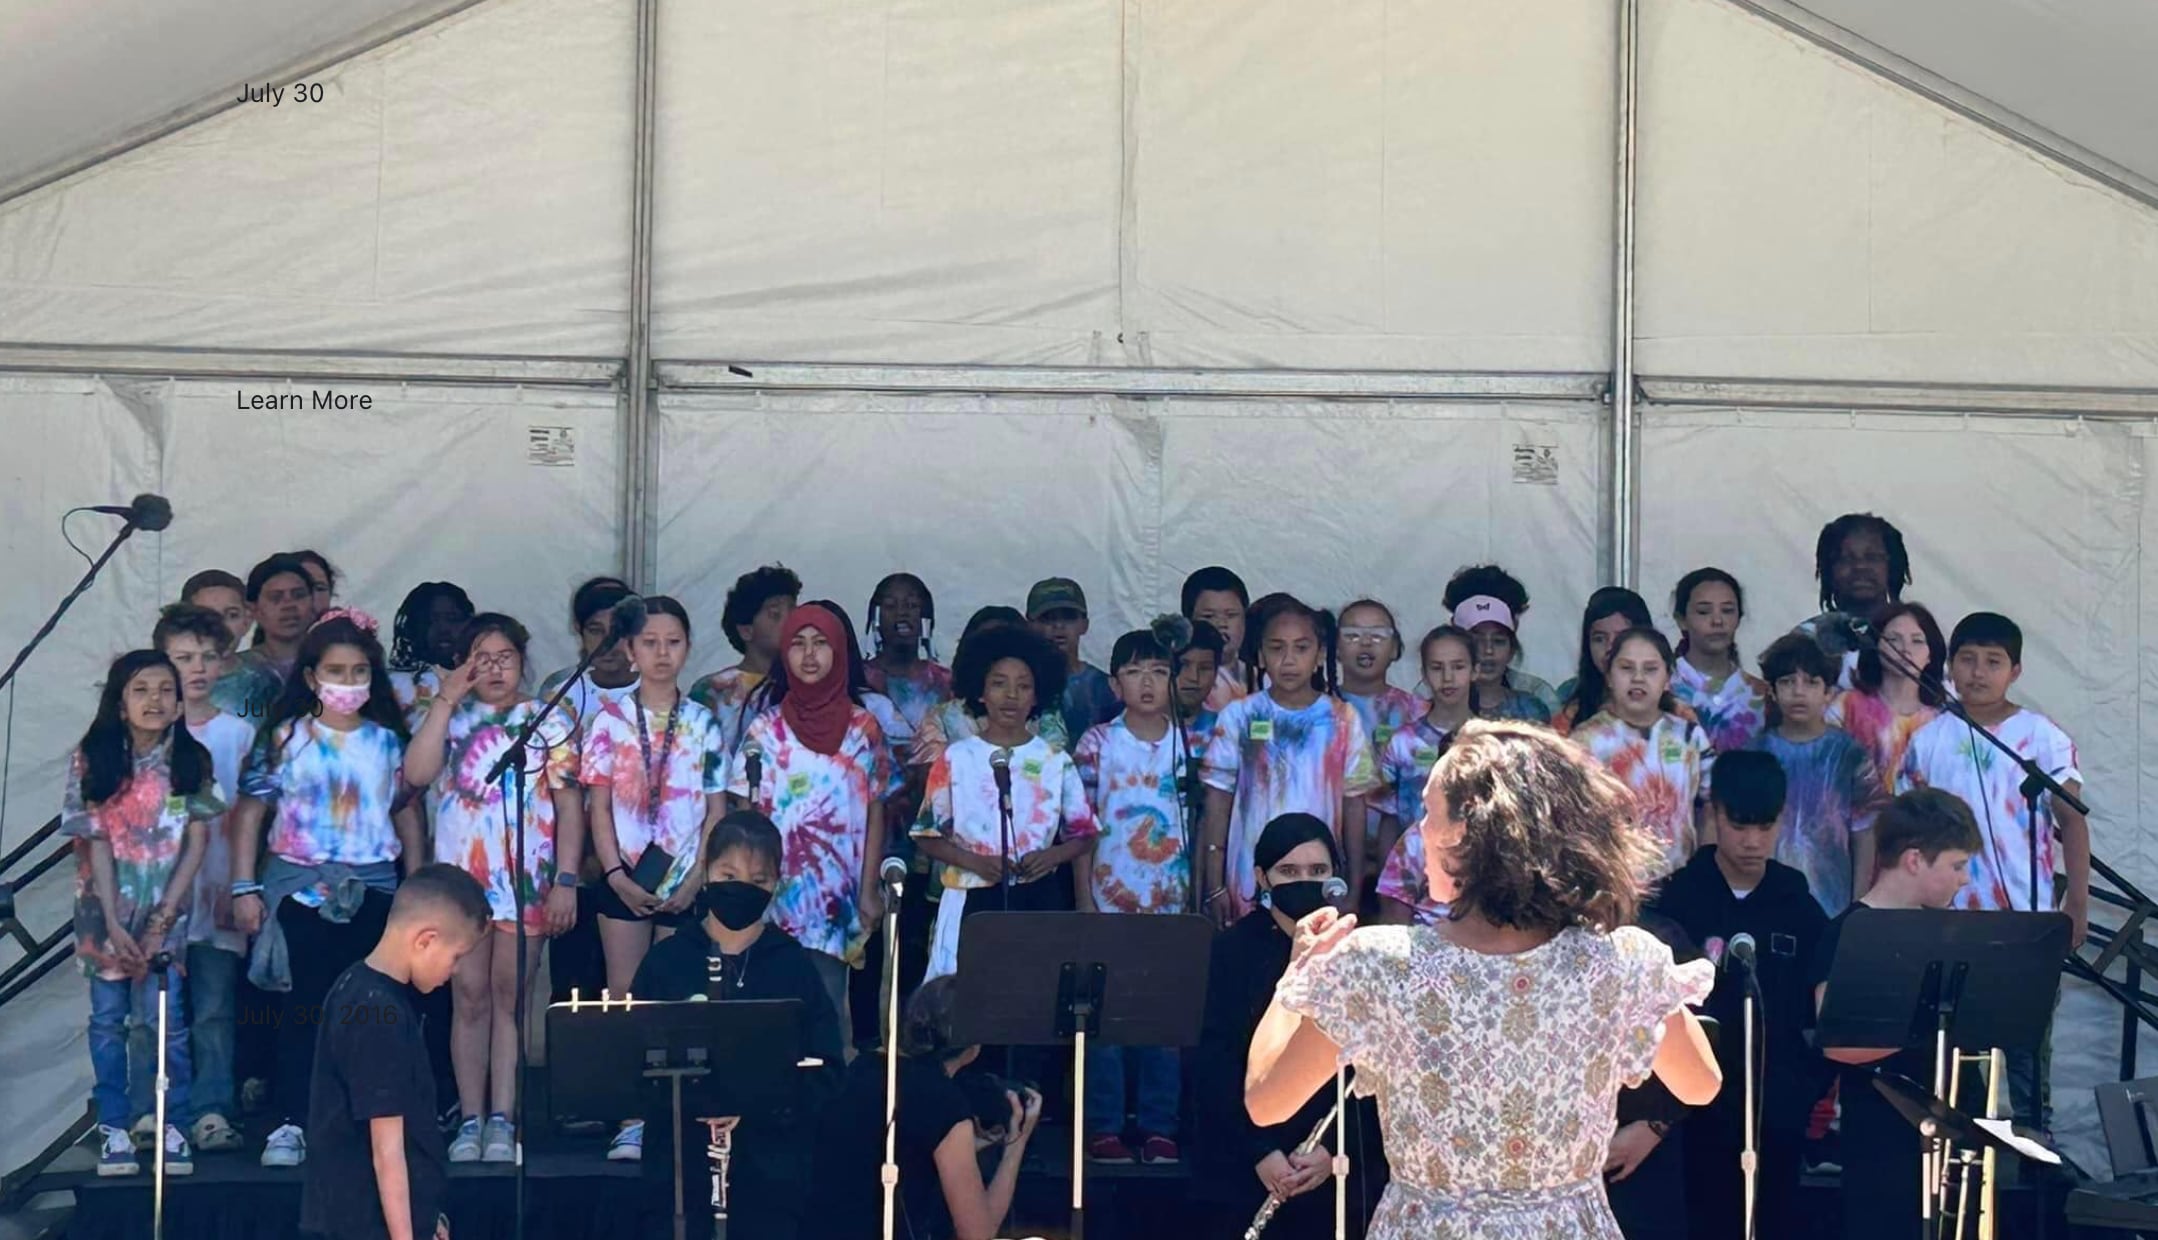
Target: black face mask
x,y
1298,900
737,905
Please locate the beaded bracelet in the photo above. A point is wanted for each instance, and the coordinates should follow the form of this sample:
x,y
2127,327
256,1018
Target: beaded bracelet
x,y
246,888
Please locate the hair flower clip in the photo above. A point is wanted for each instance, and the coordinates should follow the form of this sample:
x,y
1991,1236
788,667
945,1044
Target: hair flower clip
x,y
360,619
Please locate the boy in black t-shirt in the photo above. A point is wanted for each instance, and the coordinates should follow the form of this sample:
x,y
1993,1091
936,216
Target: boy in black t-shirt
x,y
1925,840
1733,887
377,1168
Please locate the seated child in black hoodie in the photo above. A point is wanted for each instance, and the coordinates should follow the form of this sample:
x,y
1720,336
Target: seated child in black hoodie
x,y
732,953
1731,888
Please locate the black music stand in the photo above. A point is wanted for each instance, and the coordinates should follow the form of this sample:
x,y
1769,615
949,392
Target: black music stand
x,y
1051,979
1942,979
608,1059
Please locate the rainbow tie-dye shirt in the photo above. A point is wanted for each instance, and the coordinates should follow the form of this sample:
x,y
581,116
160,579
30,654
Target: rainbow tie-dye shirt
x,y
1140,862
1274,760
470,826
145,823
820,803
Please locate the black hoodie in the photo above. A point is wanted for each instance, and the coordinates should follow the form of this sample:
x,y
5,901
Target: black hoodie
x,y
1786,924
770,1176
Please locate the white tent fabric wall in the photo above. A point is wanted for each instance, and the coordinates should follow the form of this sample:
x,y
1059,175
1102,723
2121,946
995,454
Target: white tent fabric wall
x,y
2041,519
444,485
983,495
1800,218
419,207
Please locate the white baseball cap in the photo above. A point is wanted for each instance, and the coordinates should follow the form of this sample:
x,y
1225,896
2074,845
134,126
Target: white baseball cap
x,y
1483,609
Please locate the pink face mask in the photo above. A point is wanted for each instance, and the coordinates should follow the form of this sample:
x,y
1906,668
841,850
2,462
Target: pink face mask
x,y
342,699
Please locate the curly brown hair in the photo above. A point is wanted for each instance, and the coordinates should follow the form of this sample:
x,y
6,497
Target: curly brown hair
x,y
1548,839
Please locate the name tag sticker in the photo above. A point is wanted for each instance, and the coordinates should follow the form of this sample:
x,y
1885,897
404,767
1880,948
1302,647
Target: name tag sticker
x,y
1426,758
175,804
1380,737
1032,767
797,785
1262,729
1672,754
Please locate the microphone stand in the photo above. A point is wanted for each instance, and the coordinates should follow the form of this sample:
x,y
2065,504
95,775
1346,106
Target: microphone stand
x,y
2036,781
1003,771
894,892
511,763
68,600
162,965
1749,1159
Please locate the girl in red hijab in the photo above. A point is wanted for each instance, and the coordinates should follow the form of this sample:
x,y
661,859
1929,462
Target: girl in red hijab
x,y
823,767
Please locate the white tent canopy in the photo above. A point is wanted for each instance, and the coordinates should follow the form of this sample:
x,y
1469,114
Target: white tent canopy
x,y
1108,288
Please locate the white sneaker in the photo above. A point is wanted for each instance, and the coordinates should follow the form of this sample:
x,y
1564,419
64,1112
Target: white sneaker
x,y
287,1147
179,1160
116,1152
466,1147
628,1143
501,1141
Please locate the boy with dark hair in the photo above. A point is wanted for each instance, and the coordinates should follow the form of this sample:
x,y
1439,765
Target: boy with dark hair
x,y
1926,840
1213,597
1056,607
1985,658
1730,888
756,606
731,952
1833,789
1198,667
1132,768
377,1166
224,594
198,643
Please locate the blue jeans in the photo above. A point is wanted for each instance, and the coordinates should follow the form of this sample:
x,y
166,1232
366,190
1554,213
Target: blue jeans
x,y
213,984
1160,1088
123,1051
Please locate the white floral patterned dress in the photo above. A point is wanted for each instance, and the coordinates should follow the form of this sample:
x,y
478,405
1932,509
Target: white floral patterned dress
x,y
1496,1075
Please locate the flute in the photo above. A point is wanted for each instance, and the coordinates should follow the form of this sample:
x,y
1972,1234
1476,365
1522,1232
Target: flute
x,y
1273,1203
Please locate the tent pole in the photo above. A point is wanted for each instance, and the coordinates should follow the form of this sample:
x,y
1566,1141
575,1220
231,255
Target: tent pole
x,y
1625,468
637,471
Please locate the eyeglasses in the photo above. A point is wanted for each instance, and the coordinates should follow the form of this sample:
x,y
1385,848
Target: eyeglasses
x,y
1363,635
495,662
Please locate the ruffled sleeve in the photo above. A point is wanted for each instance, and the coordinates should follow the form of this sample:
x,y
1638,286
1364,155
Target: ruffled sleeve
x,y
1651,987
1346,993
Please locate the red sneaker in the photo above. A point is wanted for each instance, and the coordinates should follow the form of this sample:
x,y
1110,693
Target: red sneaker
x,y
1157,1150
1108,1148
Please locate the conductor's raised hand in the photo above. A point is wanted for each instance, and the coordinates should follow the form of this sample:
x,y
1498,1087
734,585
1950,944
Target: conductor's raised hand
x,y
1319,934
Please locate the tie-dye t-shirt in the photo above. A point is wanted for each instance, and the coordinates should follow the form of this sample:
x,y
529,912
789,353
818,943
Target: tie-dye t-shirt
x,y
416,690
1228,686
1732,713
725,696
915,692
1667,768
210,918
1517,703
1383,714
960,804
330,791
1405,765
251,688
1879,730
145,823
1274,761
820,803
470,827
1140,863
1948,755
1089,699
948,723
583,701
1402,878
692,770
1833,794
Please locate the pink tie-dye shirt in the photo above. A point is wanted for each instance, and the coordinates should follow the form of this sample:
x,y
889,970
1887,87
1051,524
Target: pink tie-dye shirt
x,y
1274,760
820,803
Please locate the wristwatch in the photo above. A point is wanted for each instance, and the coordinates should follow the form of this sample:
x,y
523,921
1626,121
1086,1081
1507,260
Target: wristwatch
x,y
568,878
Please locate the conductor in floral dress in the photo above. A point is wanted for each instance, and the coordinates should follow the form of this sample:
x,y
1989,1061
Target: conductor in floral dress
x,y
1496,1041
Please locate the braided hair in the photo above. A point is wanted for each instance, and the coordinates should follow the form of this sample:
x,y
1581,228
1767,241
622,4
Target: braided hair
x,y
1830,545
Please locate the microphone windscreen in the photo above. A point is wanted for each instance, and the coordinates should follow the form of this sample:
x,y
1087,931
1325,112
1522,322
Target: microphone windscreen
x,y
1741,948
893,870
152,512
1001,759
629,616
1335,888
1172,631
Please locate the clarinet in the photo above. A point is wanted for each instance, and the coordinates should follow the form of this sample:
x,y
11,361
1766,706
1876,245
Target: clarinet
x,y
1273,1203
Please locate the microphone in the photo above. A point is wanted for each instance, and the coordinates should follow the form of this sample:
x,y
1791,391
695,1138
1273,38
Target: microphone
x,y
1172,632
1739,950
1000,765
626,619
893,874
753,761
145,512
1335,888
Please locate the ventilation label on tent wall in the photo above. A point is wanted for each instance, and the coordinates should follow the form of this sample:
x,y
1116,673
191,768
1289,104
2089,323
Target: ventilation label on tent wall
x,y
551,446
1536,464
